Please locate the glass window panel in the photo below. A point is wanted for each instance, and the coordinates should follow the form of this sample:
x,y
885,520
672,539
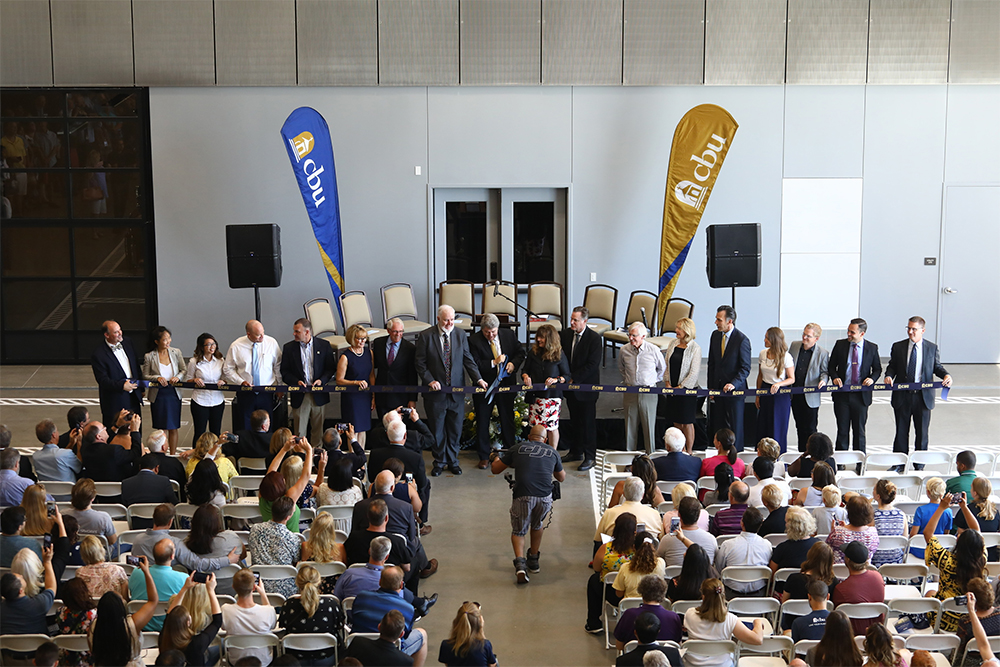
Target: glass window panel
x,y
46,143
35,251
123,194
91,194
35,195
40,346
121,300
36,103
31,304
466,231
102,103
534,242
109,251
126,144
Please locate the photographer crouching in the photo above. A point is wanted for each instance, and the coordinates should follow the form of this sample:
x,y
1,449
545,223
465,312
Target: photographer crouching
x,y
535,464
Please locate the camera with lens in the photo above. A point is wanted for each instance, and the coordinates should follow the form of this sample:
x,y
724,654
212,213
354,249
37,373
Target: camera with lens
x,y
231,438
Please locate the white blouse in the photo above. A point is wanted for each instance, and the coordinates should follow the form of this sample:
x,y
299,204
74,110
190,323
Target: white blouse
x,y
769,373
210,372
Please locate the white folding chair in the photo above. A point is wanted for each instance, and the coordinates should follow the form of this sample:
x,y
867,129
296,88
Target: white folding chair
x,y
705,483
342,516
681,606
748,457
903,571
910,486
615,459
914,606
789,457
803,645
849,458
59,489
25,643
140,510
714,509
248,513
712,648
74,643
971,646
782,576
609,611
777,538
314,641
245,485
863,484
864,610
629,603
262,640
935,464
161,607
672,571
273,599
777,644
884,461
908,507
757,606
937,644
250,466
748,574
275,572
330,569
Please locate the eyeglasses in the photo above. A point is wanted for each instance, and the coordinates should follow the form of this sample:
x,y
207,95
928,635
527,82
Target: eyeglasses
x,y
908,329
475,603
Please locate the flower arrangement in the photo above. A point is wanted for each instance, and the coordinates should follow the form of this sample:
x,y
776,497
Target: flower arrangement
x,y
469,424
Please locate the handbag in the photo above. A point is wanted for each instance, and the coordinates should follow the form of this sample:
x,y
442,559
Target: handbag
x,y
92,194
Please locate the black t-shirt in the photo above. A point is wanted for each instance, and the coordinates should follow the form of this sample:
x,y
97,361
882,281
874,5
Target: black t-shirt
x,y
534,464
792,553
357,543
195,651
774,523
797,586
806,467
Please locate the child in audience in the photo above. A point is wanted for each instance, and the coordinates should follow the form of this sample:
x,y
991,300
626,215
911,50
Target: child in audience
x,y
831,510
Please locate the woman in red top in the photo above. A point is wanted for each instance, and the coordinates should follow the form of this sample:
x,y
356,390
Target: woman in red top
x,y
725,444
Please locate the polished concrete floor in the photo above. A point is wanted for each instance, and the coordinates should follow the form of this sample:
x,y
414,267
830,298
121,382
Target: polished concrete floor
x,y
540,623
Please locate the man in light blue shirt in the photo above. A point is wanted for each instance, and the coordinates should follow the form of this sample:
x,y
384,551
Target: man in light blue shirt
x,y
53,464
168,581
12,485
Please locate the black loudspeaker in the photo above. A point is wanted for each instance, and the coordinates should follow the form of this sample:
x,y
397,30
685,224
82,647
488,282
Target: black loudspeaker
x,y
254,255
734,255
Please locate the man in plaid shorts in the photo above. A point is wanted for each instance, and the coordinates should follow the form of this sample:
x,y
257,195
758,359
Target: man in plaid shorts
x,y
535,464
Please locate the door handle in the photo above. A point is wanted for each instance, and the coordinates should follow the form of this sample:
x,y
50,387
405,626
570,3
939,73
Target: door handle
x,y
948,290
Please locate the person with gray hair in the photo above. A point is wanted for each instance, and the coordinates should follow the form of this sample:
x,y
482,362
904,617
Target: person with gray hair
x,y
357,579
677,465
167,466
51,463
344,445
632,492
394,365
496,351
641,365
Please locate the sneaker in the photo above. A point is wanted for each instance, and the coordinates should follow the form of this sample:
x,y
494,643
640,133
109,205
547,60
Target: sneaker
x,y
520,567
533,561
595,629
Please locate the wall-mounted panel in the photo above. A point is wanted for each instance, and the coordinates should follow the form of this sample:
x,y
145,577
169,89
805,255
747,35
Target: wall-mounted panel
x,y
337,42
975,42
176,41
501,42
92,43
745,42
418,42
825,132
25,43
664,43
827,41
908,41
582,42
255,42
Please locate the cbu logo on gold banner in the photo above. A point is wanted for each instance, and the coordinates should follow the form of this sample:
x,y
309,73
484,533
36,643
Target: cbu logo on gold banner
x,y
303,145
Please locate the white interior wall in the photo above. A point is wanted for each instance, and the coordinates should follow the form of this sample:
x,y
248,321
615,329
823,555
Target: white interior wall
x,y
218,159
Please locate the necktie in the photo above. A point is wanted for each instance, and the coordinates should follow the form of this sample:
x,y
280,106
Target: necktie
x,y
576,339
307,367
854,363
723,345
391,357
496,349
911,366
255,366
446,342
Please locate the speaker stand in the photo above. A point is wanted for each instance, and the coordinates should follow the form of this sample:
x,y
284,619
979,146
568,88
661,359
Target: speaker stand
x,y
733,301
256,301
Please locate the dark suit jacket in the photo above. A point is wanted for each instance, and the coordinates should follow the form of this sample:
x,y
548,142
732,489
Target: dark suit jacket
x,y
402,370
146,487
324,368
172,468
584,363
840,366
418,436
634,657
401,519
252,444
678,467
930,365
110,378
429,360
412,462
734,367
483,354
104,462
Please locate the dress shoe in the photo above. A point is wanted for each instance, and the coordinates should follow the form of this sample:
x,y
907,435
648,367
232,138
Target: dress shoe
x,y
569,458
456,469
483,465
586,465
426,603
431,568
436,472
426,529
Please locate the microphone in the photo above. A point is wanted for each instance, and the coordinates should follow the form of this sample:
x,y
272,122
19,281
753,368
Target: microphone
x,y
496,289
643,311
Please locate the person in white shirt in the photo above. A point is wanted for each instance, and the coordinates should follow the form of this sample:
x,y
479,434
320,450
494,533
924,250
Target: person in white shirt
x,y
51,463
641,365
253,360
747,548
247,617
776,370
831,511
763,469
205,368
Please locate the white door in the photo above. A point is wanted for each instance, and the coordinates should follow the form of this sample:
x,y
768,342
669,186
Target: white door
x,y
969,301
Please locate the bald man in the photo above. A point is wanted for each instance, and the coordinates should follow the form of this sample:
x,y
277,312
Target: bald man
x,y
168,580
117,371
253,360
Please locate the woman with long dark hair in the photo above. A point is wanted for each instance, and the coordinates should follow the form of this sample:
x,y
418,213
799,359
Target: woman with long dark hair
x,y
812,495
609,558
205,486
545,362
958,567
879,648
164,366
339,488
115,636
644,561
205,368
819,447
837,647
695,569
817,565
207,537
776,370
75,617
724,477
643,468
726,452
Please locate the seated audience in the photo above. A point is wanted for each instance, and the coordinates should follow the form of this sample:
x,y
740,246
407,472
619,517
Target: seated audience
x,y
382,651
467,644
322,547
646,630
697,567
208,540
935,488
609,558
712,621
37,521
863,584
209,448
985,611
858,528
402,489
52,463
671,518
677,465
12,485
879,648
356,547
763,469
958,567
724,478
982,639
643,468
370,607
168,466
800,526
831,512
206,533
273,485
339,487
772,496
271,543
727,521
985,510
747,548
24,613
644,561
725,446
652,589
837,647
115,636
206,486
633,491
77,614
309,612
888,521
147,486
812,495
345,446
965,464
11,540
168,581
112,459
291,470
91,521
178,633
811,625
100,575
253,444
770,449
246,617
819,449
673,546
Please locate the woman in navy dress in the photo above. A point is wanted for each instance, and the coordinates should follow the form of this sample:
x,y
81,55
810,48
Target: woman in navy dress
x,y
356,367
164,366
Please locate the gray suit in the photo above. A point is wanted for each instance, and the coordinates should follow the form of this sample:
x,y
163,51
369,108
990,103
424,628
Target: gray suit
x,y
805,407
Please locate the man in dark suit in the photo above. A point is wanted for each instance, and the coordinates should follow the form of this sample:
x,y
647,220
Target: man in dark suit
x,y
413,462
255,443
147,487
677,465
854,362
914,360
494,347
117,371
113,461
394,359
442,354
728,368
811,362
583,349
307,407
167,466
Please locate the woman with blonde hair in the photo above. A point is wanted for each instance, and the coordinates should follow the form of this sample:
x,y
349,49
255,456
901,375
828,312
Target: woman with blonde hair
x,y
100,575
209,446
888,521
776,370
770,449
291,470
278,440
985,511
323,547
712,621
683,357
936,488
36,518
199,606
774,500
179,632
27,564
467,644
679,493
310,612
356,367
545,362
800,526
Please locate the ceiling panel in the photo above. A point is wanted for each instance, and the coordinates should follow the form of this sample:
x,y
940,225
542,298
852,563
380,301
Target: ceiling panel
x,y
418,42
176,42
908,41
827,42
745,42
255,42
582,42
337,42
501,42
92,43
975,42
664,43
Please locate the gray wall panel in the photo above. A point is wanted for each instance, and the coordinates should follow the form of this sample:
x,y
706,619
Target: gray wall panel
x,y
745,42
92,43
255,42
418,42
501,42
337,42
664,43
973,135
25,43
582,42
827,123
176,41
908,41
975,42
827,41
